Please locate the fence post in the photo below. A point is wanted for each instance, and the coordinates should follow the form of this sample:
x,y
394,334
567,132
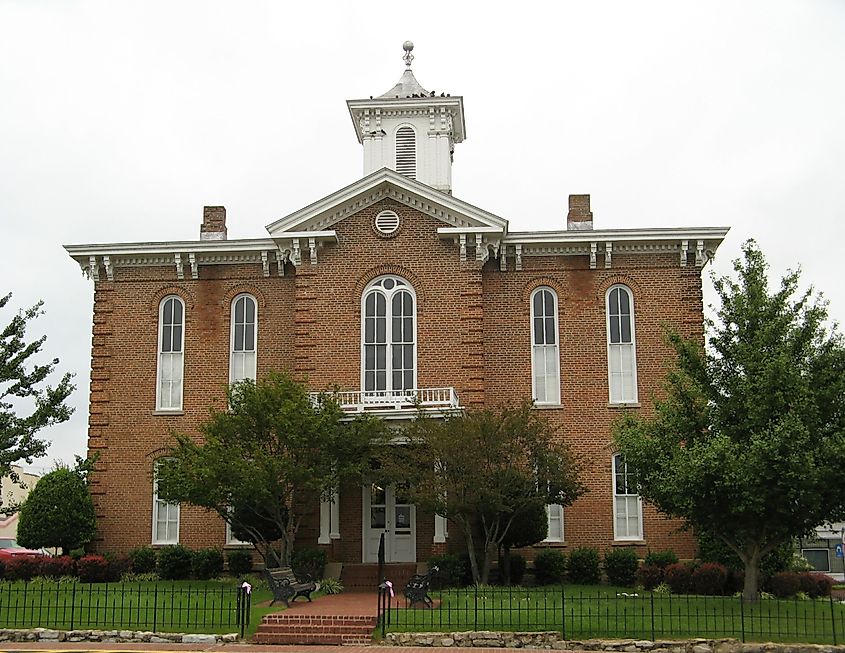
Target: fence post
x,y
72,604
651,596
833,619
155,607
742,616
476,607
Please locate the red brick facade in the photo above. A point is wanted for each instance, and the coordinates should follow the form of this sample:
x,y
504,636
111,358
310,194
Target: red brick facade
x,y
472,332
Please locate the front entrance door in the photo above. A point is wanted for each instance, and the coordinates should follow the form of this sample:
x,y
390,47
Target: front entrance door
x,y
387,511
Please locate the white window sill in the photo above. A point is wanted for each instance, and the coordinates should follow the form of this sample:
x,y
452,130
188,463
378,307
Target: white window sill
x,y
547,406
639,542
623,404
172,413
164,543
551,544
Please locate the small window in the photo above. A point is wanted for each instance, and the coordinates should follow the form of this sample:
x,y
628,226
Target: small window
x,y
387,222
621,348
171,340
406,152
165,519
554,513
545,356
627,506
242,360
818,558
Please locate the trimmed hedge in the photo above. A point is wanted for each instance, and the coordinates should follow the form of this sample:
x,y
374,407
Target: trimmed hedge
x,y
650,576
549,567
239,561
174,562
620,565
143,560
710,579
661,559
679,578
93,569
309,563
583,567
453,569
206,563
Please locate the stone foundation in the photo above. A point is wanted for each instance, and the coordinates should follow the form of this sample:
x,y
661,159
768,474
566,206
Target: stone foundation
x,y
552,640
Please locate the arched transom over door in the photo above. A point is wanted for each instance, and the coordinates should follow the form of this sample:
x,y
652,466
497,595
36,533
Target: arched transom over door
x,y
388,338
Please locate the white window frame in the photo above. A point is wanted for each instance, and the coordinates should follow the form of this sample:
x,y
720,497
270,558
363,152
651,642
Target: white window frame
x,y
171,356
620,347
158,504
627,499
551,509
374,287
237,357
413,175
555,347
231,540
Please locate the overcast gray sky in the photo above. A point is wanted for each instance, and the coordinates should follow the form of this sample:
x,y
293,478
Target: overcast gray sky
x,y
119,121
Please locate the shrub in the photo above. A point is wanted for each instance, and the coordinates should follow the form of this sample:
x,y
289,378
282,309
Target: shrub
x,y
549,567
174,562
22,568
453,569
147,577
815,585
678,577
650,576
735,582
142,560
331,586
785,584
57,567
118,565
620,565
583,567
239,561
206,563
309,563
710,578
2,570
92,569
517,565
661,559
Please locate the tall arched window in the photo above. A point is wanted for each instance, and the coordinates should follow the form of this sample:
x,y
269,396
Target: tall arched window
x,y
627,507
388,336
244,331
545,357
621,347
171,339
406,152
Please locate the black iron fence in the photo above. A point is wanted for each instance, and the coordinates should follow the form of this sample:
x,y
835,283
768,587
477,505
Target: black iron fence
x,y
155,607
579,615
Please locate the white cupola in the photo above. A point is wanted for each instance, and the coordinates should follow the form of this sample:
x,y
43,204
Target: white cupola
x,y
410,130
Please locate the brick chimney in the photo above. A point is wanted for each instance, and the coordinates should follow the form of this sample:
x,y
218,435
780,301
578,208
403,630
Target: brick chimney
x,y
213,223
580,217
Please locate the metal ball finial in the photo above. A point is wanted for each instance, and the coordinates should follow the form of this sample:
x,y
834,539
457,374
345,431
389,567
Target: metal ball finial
x,y
408,46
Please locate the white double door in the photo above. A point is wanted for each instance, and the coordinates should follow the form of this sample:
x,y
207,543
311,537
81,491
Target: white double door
x,y
387,511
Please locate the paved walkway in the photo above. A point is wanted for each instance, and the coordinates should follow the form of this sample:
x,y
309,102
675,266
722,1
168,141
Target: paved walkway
x,y
352,604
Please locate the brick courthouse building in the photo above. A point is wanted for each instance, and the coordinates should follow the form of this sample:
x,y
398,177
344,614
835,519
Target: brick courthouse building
x,y
395,291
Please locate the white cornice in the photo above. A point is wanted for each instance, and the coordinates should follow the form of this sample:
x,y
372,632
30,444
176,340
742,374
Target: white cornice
x,y
617,235
409,106
379,185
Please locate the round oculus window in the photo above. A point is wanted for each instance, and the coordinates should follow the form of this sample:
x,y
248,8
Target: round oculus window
x,y
387,222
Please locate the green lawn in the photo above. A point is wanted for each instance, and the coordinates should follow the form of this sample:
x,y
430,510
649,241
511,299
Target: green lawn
x,y
175,606
583,612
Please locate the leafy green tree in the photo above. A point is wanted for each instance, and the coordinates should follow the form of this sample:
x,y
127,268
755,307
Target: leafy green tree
x,y
59,511
529,526
484,466
260,462
749,443
27,405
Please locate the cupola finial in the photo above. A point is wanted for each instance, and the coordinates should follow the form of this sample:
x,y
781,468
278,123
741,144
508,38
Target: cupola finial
x,y
408,46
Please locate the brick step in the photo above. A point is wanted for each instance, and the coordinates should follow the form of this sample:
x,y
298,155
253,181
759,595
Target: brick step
x,y
303,628
311,638
318,620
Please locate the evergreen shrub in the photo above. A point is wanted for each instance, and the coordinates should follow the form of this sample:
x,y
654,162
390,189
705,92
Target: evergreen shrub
x,y
309,563
710,578
174,562
583,567
92,569
661,559
517,565
206,563
239,561
549,567
453,569
143,560
650,576
620,565
679,578
785,584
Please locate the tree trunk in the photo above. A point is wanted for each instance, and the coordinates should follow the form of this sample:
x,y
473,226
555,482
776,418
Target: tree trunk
x,y
505,565
473,561
751,588
488,559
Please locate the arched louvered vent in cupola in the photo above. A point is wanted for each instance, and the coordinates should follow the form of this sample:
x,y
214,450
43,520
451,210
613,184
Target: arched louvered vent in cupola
x,y
406,152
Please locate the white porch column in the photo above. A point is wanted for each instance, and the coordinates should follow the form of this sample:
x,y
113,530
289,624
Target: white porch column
x,y
325,522
334,517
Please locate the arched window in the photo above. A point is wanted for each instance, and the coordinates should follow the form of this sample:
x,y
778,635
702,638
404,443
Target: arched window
x,y
171,339
244,331
627,506
165,517
545,357
388,336
406,152
621,347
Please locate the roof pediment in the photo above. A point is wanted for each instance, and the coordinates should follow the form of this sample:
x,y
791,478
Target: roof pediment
x,y
380,185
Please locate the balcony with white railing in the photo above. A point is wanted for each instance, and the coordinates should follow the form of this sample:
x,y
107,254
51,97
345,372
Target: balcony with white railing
x,y
395,401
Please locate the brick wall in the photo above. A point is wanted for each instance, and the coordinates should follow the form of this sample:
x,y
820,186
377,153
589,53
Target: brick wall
x,y
472,334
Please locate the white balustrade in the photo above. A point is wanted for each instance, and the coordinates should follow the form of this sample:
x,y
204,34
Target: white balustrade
x,y
358,401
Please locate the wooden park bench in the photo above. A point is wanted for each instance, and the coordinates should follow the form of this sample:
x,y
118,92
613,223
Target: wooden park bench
x,y
286,586
416,591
